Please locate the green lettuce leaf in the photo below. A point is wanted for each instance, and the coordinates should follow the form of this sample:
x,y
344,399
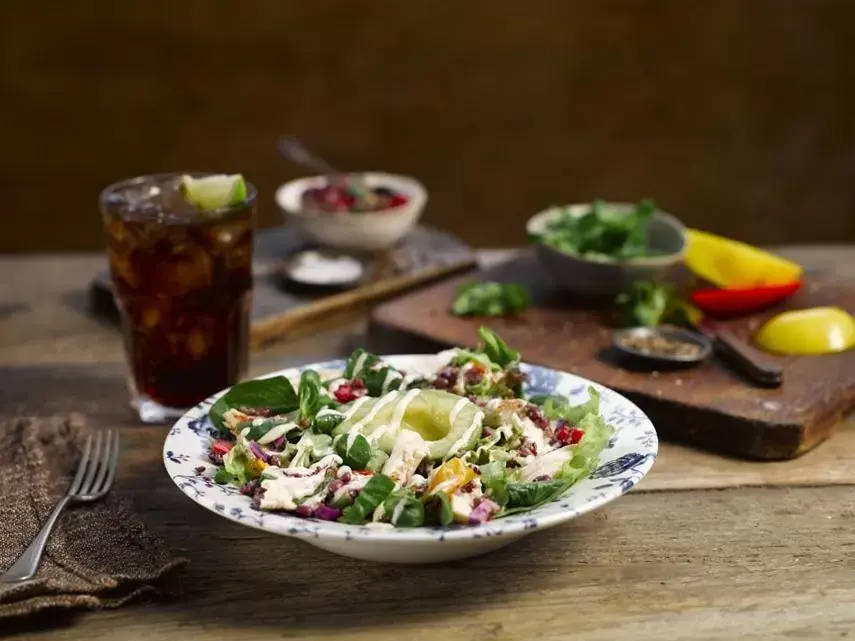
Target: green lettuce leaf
x,y
494,479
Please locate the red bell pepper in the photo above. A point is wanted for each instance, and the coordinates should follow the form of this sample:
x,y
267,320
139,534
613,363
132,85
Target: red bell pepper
x,y
742,300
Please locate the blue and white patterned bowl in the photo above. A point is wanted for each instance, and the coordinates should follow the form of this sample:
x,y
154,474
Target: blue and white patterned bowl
x,y
629,456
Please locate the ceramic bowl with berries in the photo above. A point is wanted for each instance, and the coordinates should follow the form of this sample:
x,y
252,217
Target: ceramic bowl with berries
x,y
360,211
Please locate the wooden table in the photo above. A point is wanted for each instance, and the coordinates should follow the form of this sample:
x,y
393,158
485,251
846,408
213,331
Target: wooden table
x,y
705,548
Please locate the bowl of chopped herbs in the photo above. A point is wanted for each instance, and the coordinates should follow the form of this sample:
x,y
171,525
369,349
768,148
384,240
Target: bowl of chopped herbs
x,y
598,249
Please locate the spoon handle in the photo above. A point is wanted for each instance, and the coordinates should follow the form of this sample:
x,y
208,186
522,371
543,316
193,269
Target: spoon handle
x,y
294,150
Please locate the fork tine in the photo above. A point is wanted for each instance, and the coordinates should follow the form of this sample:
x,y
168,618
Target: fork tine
x,y
81,467
112,463
103,461
86,486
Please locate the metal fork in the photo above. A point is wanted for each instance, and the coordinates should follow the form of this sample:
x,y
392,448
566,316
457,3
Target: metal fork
x,y
93,480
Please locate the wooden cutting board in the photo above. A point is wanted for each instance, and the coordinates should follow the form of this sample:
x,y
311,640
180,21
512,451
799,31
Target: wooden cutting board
x,y
278,312
707,405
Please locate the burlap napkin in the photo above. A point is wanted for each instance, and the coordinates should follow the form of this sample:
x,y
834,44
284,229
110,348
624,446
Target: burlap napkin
x,y
100,554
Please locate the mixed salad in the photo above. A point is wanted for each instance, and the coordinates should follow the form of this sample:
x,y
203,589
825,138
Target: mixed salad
x,y
377,445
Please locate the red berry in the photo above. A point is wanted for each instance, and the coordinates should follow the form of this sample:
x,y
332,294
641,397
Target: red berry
x,y
576,435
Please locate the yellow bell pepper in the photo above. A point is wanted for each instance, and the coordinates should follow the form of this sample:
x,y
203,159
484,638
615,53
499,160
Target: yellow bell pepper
x,y
729,263
818,330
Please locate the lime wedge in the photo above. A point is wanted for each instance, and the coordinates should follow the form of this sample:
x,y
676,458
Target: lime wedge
x,y
214,192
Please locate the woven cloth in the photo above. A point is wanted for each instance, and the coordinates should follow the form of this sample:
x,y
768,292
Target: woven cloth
x,y
100,554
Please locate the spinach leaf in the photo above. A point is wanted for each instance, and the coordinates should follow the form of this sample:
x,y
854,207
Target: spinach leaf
x,y
524,496
357,454
403,509
275,394
490,299
326,423
372,495
496,349
438,510
494,478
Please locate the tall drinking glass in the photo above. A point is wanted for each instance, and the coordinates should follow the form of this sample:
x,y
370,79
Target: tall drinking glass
x,y
182,280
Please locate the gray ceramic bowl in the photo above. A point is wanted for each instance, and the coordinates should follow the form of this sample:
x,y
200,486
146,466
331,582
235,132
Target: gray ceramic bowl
x,y
603,278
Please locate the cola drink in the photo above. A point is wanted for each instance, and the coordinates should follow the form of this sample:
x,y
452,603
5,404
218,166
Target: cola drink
x,y
182,280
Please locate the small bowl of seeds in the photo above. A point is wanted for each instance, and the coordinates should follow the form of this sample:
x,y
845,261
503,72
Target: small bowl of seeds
x,y
662,345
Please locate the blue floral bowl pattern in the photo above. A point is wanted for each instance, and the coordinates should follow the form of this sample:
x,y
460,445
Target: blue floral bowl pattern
x,y
628,457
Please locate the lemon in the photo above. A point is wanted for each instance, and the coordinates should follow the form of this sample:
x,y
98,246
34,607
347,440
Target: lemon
x,y
214,192
729,263
818,330
450,424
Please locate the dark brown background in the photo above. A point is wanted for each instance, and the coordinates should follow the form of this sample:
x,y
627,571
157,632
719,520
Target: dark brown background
x,y
736,115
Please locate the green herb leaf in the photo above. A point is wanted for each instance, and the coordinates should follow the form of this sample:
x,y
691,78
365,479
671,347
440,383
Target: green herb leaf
x,y
490,299
650,304
312,394
362,358
257,430
276,394
602,231
496,349
355,455
378,488
403,509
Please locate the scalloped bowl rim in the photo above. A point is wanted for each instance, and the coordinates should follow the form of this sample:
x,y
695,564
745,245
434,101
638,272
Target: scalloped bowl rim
x,y
186,445
536,223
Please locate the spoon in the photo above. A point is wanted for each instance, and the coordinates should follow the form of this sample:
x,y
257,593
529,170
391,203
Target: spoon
x,y
292,149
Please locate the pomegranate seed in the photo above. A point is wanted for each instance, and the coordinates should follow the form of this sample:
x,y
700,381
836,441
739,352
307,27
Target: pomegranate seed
x,y
562,435
348,392
397,200
576,435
